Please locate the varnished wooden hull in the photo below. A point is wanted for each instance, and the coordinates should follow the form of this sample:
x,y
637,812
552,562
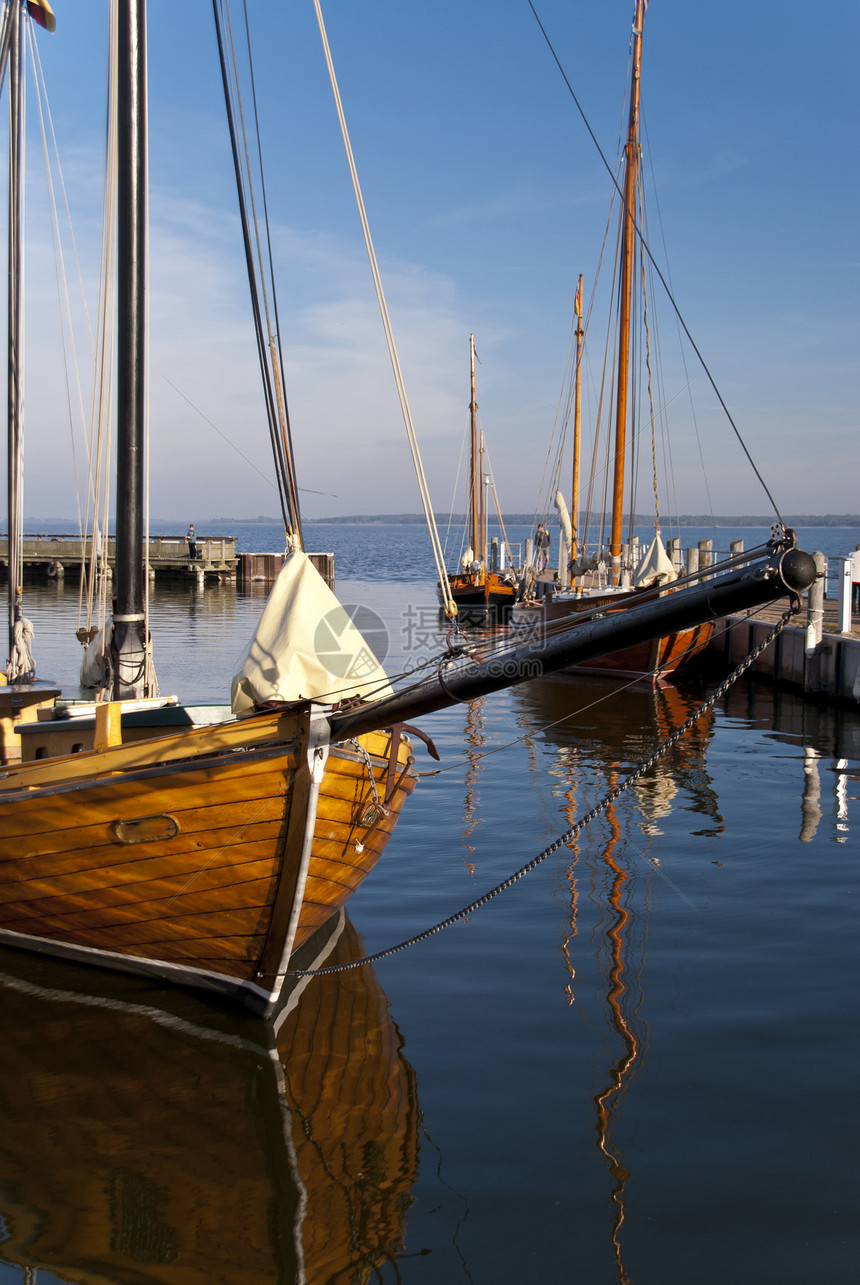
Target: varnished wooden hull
x,y
180,853
657,660
490,590
660,660
186,1146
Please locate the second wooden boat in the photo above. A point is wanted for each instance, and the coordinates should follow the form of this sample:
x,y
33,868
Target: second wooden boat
x,y
480,586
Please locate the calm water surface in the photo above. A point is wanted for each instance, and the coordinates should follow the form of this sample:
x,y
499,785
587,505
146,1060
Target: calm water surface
x,y
638,1064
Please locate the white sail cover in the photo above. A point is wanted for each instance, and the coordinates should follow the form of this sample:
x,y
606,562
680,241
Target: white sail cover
x,y
94,662
564,517
306,647
655,566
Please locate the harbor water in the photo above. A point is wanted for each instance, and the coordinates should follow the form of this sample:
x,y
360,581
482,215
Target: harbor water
x,y
637,1064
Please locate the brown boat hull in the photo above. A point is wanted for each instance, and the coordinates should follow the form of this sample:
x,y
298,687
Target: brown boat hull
x,y
178,854
658,660
482,590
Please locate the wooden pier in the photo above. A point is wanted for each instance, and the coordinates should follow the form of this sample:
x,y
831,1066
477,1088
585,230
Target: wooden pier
x,y
55,556
817,654
263,568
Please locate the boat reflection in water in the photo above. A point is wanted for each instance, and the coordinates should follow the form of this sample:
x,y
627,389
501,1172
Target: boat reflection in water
x,y
598,729
197,1146
597,733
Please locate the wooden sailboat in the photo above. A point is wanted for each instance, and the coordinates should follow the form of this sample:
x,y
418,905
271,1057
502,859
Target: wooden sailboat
x,y
205,853
663,657
142,839
479,584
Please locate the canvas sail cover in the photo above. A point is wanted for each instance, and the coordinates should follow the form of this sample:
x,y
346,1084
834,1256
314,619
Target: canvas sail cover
x,y
564,517
655,566
307,646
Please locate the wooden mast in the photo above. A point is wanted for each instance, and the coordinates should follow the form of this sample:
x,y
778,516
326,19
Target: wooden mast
x,y
474,476
577,387
628,248
15,373
482,511
128,644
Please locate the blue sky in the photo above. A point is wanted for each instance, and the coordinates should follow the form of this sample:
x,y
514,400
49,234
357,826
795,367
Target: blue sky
x,y
486,199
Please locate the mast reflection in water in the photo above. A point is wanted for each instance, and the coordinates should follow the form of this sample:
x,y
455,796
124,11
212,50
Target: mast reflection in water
x,y
589,722
193,1146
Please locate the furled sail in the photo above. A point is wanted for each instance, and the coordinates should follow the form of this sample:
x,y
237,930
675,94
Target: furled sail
x,y
655,566
563,517
306,647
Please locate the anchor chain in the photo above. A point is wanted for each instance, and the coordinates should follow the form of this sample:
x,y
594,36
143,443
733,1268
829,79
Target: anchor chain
x,y
575,830
377,801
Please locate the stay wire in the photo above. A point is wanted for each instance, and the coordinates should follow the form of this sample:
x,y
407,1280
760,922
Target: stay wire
x,y
277,451
656,267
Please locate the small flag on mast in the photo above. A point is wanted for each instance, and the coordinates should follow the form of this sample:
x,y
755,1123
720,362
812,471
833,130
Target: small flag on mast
x,y
40,11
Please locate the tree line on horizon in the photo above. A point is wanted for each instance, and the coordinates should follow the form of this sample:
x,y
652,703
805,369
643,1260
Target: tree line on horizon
x,y
526,519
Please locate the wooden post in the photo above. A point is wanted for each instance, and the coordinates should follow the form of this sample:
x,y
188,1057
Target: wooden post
x,y
692,561
815,604
736,547
844,611
673,551
624,578
812,675
706,556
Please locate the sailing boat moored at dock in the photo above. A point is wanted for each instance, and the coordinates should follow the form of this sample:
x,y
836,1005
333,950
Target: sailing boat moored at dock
x,y
483,583
207,849
615,578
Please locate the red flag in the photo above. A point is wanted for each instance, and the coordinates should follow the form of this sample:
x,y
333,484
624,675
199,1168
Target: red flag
x,y
40,11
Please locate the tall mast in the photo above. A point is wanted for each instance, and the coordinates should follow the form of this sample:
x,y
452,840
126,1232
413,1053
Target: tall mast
x,y
128,645
15,375
482,515
474,468
577,386
628,248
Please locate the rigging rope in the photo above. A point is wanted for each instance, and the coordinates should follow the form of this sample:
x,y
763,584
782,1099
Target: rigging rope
x,y
267,346
67,330
574,831
438,557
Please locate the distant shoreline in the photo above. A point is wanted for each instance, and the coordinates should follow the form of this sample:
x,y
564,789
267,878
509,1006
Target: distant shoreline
x,y
526,519
832,520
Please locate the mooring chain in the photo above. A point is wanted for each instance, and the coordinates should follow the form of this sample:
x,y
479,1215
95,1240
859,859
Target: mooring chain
x,y
576,828
357,745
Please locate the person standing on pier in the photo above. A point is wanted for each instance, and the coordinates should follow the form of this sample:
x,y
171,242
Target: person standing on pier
x,y
542,541
192,542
